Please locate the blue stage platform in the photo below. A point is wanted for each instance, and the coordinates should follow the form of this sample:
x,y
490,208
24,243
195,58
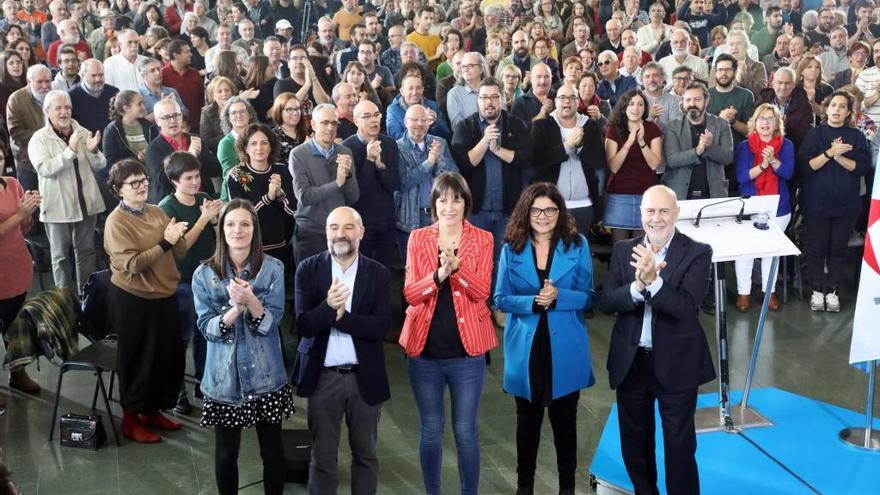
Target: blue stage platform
x,y
800,454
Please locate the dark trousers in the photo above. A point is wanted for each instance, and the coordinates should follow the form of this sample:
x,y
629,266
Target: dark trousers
x,y
9,309
337,399
563,418
636,396
583,218
380,245
227,442
827,239
306,244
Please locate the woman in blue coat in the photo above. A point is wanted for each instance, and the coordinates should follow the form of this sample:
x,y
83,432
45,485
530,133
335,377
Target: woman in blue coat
x,y
545,284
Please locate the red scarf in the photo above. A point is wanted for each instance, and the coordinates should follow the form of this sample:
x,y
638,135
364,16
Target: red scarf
x,y
766,183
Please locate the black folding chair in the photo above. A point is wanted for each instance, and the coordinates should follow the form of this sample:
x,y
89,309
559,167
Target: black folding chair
x,y
100,355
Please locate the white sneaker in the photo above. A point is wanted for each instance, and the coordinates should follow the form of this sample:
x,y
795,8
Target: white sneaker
x,y
832,302
817,301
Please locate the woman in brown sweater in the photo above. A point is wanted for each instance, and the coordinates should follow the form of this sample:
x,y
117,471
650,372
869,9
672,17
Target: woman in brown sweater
x,y
142,243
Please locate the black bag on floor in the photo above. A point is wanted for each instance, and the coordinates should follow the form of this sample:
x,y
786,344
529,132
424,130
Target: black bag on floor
x,y
297,455
83,432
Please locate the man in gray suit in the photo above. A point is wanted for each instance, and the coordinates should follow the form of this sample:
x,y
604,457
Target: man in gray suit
x,y
697,147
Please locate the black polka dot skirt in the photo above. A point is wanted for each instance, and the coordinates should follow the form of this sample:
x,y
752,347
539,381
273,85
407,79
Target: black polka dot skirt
x,y
267,408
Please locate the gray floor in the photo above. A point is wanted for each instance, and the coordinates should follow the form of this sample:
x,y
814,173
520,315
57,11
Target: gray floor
x,y
803,352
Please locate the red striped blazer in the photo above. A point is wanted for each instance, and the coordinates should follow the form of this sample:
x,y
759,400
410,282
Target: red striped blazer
x,y
470,286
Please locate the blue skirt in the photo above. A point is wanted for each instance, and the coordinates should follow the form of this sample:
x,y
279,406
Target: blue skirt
x,y
622,211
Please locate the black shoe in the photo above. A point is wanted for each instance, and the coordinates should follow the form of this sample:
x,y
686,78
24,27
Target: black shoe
x,y
566,491
197,390
183,406
525,490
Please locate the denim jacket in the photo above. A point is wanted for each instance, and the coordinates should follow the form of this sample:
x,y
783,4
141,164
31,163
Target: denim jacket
x,y
247,362
413,173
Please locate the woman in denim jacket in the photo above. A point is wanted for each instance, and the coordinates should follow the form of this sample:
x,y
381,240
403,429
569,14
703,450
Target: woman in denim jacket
x,y
239,298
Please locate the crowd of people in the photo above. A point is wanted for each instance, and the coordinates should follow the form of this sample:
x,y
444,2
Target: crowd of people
x,y
229,157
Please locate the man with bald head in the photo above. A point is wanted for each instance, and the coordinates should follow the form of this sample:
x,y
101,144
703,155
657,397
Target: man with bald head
x,y
678,42
658,347
537,103
342,314
345,98
565,154
91,97
68,34
323,179
423,156
376,166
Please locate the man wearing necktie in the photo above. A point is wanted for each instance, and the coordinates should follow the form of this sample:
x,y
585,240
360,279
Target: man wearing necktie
x,y
659,351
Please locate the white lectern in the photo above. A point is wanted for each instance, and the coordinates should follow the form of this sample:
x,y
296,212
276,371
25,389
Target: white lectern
x,y
725,225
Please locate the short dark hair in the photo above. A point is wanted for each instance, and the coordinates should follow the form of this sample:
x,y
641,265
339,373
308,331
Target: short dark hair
x,y
241,142
491,81
66,49
454,182
200,32
423,9
771,9
519,228
699,85
122,170
726,57
179,163
175,48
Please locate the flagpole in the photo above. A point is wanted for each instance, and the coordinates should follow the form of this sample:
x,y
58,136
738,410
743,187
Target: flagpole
x,y
866,438
869,410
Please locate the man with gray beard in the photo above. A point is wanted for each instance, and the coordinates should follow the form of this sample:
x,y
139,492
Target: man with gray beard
x,y
90,95
24,116
342,314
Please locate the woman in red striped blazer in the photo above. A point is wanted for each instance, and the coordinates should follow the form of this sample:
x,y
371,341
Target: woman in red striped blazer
x,y
448,328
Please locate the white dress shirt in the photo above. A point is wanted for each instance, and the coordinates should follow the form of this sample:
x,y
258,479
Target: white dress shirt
x,y
340,347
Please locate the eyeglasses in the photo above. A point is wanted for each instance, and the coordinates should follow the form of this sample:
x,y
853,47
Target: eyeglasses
x,y
137,184
724,69
490,97
549,212
169,117
369,116
467,66
293,110
602,64
236,113
298,58
681,79
565,98
766,120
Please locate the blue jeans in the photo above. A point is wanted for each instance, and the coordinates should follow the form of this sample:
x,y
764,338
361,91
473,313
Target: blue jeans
x,y
188,330
429,378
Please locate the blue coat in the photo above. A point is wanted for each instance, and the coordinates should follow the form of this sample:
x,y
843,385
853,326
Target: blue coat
x,y
515,291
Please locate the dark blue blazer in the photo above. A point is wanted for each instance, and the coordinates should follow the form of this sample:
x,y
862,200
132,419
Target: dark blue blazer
x,y
682,360
367,322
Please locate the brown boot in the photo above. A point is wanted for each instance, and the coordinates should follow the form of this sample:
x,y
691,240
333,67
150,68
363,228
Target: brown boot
x,y
19,380
773,304
134,429
743,302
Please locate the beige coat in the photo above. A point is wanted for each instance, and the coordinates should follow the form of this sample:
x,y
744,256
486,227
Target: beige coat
x,y
54,160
